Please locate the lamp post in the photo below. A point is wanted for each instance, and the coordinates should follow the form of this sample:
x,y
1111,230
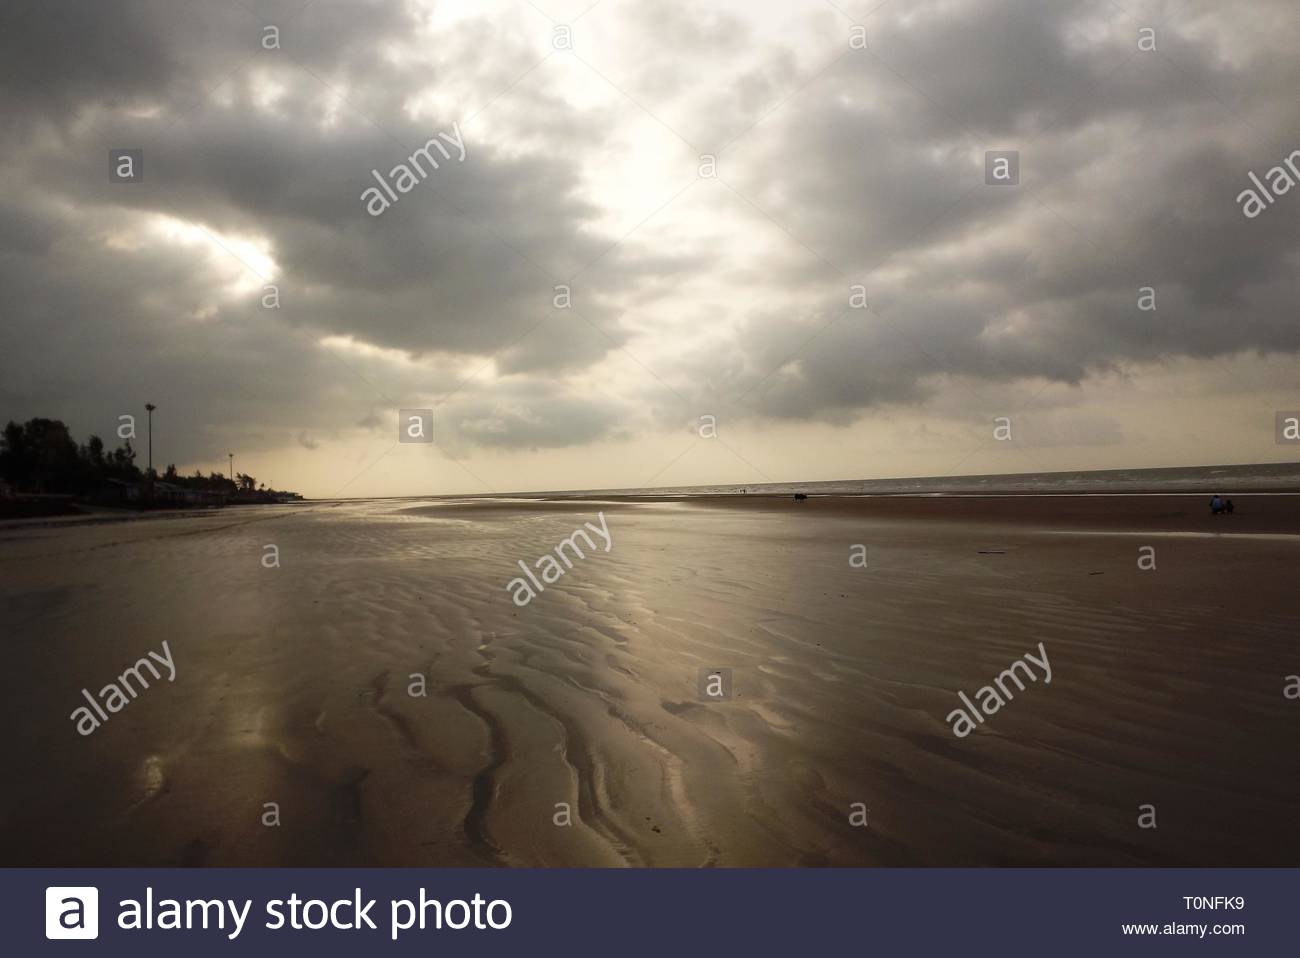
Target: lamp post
x,y
150,407
232,465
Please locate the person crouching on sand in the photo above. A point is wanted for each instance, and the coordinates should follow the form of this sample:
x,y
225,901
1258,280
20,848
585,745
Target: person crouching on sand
x,y
1216,504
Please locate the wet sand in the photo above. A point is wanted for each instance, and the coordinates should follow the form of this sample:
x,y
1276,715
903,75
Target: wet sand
x,y
293,685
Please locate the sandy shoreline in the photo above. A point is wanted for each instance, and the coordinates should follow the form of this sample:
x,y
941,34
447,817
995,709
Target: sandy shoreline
x,y
293,684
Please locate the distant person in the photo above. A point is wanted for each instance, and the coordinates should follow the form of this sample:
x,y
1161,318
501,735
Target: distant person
x,y
1216,504
1229,507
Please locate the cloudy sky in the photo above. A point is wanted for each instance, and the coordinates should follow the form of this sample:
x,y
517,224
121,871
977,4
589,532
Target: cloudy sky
x,y
709,181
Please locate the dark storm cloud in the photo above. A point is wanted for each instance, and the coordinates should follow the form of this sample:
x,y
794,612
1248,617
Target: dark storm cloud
x,y
62,58
465,263
1130,169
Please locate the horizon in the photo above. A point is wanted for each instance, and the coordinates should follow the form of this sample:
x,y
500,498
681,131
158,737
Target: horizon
x,y
192,469
847,481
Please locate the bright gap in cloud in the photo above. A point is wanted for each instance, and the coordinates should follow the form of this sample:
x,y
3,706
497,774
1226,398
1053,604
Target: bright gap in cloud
x,y
246,261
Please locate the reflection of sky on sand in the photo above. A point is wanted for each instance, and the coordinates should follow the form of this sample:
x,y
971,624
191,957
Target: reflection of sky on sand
x,y
248,729
149,781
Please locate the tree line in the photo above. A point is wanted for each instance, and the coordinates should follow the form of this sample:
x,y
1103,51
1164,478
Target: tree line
x,y
41,456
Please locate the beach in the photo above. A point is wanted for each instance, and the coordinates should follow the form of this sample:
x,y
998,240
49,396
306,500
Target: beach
x,y
377,697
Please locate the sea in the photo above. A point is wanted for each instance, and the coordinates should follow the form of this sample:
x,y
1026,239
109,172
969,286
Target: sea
x,y
1273,477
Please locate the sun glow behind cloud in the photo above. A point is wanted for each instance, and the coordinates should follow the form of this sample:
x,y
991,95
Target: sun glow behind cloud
x,y
244,264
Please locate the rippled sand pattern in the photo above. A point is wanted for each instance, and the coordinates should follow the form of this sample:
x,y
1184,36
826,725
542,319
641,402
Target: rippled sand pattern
x,y
294,687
